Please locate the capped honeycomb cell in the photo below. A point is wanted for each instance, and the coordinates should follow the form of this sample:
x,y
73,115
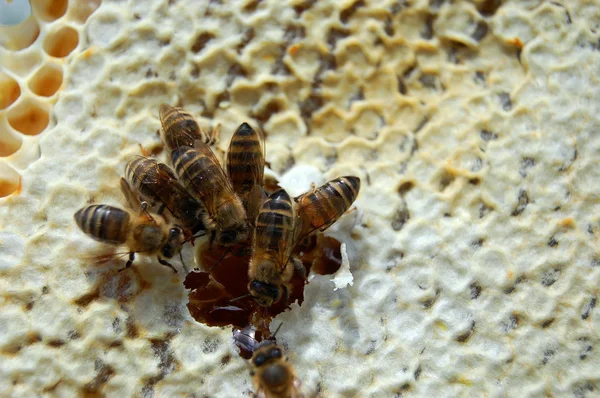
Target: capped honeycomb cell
x,y
10,142
80,10
29,117
19,36
9,90
47,80
61,42
49,10
9,180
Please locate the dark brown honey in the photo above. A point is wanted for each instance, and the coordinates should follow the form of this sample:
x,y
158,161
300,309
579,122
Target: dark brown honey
x,y
212,291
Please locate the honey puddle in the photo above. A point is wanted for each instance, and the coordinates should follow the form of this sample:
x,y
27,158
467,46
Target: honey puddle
x,y
211,292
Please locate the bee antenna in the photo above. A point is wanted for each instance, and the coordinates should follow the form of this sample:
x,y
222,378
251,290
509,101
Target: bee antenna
x,y
192,237
239,298
222,257
277,330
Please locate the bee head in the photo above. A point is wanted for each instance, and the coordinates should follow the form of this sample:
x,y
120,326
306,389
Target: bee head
x,y
175,239
265,294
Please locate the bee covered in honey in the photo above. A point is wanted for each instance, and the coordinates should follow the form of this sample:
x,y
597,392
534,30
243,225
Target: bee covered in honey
x,y
202,176
142,233
179,128
157,184
275,236
323,206
272,375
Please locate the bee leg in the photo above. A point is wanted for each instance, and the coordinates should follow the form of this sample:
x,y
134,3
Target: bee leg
x,y
299,267
185,268
166,264
286,294
214,135
161,209
145,210
213,235
129,262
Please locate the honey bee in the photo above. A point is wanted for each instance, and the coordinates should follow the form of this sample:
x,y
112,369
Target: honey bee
x,y
202,176
272,375
179,128
246,167
323,206
275,237
144,233
157,183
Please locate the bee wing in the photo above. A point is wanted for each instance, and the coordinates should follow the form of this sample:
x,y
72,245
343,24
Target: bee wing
x,y
246,159
188,128
133,200
202,175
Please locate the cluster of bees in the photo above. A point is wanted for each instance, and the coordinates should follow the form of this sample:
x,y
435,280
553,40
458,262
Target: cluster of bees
x,y
168,207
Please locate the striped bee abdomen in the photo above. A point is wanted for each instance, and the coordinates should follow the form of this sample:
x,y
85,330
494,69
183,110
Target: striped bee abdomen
x,y
327,203
179,128
245,159
275,221
196,171
104,223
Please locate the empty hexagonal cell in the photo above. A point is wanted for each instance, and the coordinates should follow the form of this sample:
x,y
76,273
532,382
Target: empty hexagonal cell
x,y
49,10
80,10
10,141
29,117
9,90
10,180
18,37
47,80
59,43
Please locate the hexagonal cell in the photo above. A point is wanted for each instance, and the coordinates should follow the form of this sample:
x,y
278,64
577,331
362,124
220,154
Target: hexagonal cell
x,y
10,180
29,117
19,36
61,42
47,80
49,10
80,10
10,141
9,90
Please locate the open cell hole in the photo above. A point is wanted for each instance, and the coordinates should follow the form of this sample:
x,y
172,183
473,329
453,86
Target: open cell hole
x,y
9,180
29,117
49,10
211,292
47,80
9,90
19,36
82,9
62,42
10,142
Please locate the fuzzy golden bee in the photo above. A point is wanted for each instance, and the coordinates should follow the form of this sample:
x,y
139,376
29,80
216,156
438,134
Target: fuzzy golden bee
x,y
179,128
157,184
275,236
245,167
323,206
272,374
143,233
202,176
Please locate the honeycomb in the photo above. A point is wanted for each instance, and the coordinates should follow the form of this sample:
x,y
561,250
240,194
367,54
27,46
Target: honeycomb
x,y
473,252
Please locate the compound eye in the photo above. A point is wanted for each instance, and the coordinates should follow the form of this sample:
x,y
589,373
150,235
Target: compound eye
x,y
260,360
275,353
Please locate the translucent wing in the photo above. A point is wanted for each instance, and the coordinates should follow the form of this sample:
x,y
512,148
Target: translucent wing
x,y
201,175
131,198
